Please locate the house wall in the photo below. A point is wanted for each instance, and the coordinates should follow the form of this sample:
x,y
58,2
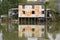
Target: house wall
x,y
28,11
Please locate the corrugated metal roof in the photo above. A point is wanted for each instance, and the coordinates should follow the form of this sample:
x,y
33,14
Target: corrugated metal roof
x,y
13,9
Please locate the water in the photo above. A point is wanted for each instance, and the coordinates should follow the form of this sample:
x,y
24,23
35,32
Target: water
x,y
48,31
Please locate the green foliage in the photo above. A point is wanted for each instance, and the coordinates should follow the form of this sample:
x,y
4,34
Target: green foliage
x,y
22,1
46,4
6,5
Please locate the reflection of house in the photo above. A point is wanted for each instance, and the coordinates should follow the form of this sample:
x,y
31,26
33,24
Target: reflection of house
x,y
1,34
36,38
30,30
32,38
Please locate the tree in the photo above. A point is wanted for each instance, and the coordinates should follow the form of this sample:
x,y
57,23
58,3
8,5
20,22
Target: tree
x,y
7,4
47,5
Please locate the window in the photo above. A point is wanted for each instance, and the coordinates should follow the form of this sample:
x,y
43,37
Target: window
x,y
23,29
33,12
43,7
33,6
15,11
48,11
33,29
23,12
42,12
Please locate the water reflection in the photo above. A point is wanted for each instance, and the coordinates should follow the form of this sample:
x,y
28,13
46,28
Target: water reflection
x,y
9,31
1,35
45,31
32,30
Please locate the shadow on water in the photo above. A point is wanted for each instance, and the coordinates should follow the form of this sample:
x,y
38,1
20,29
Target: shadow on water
x,y
49,31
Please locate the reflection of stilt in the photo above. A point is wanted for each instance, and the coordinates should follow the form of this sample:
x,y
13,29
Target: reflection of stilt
x,y
37,31
54,36
0,21
46,34
28,31
20,31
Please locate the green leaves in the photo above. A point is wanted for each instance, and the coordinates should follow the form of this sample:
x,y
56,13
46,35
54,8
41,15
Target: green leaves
x,y
22,1
6,5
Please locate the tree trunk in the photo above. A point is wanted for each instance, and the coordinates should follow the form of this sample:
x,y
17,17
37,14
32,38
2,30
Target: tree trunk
x,y
46,35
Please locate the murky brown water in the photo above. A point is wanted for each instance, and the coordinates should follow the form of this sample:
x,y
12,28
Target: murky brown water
x,y
48,31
